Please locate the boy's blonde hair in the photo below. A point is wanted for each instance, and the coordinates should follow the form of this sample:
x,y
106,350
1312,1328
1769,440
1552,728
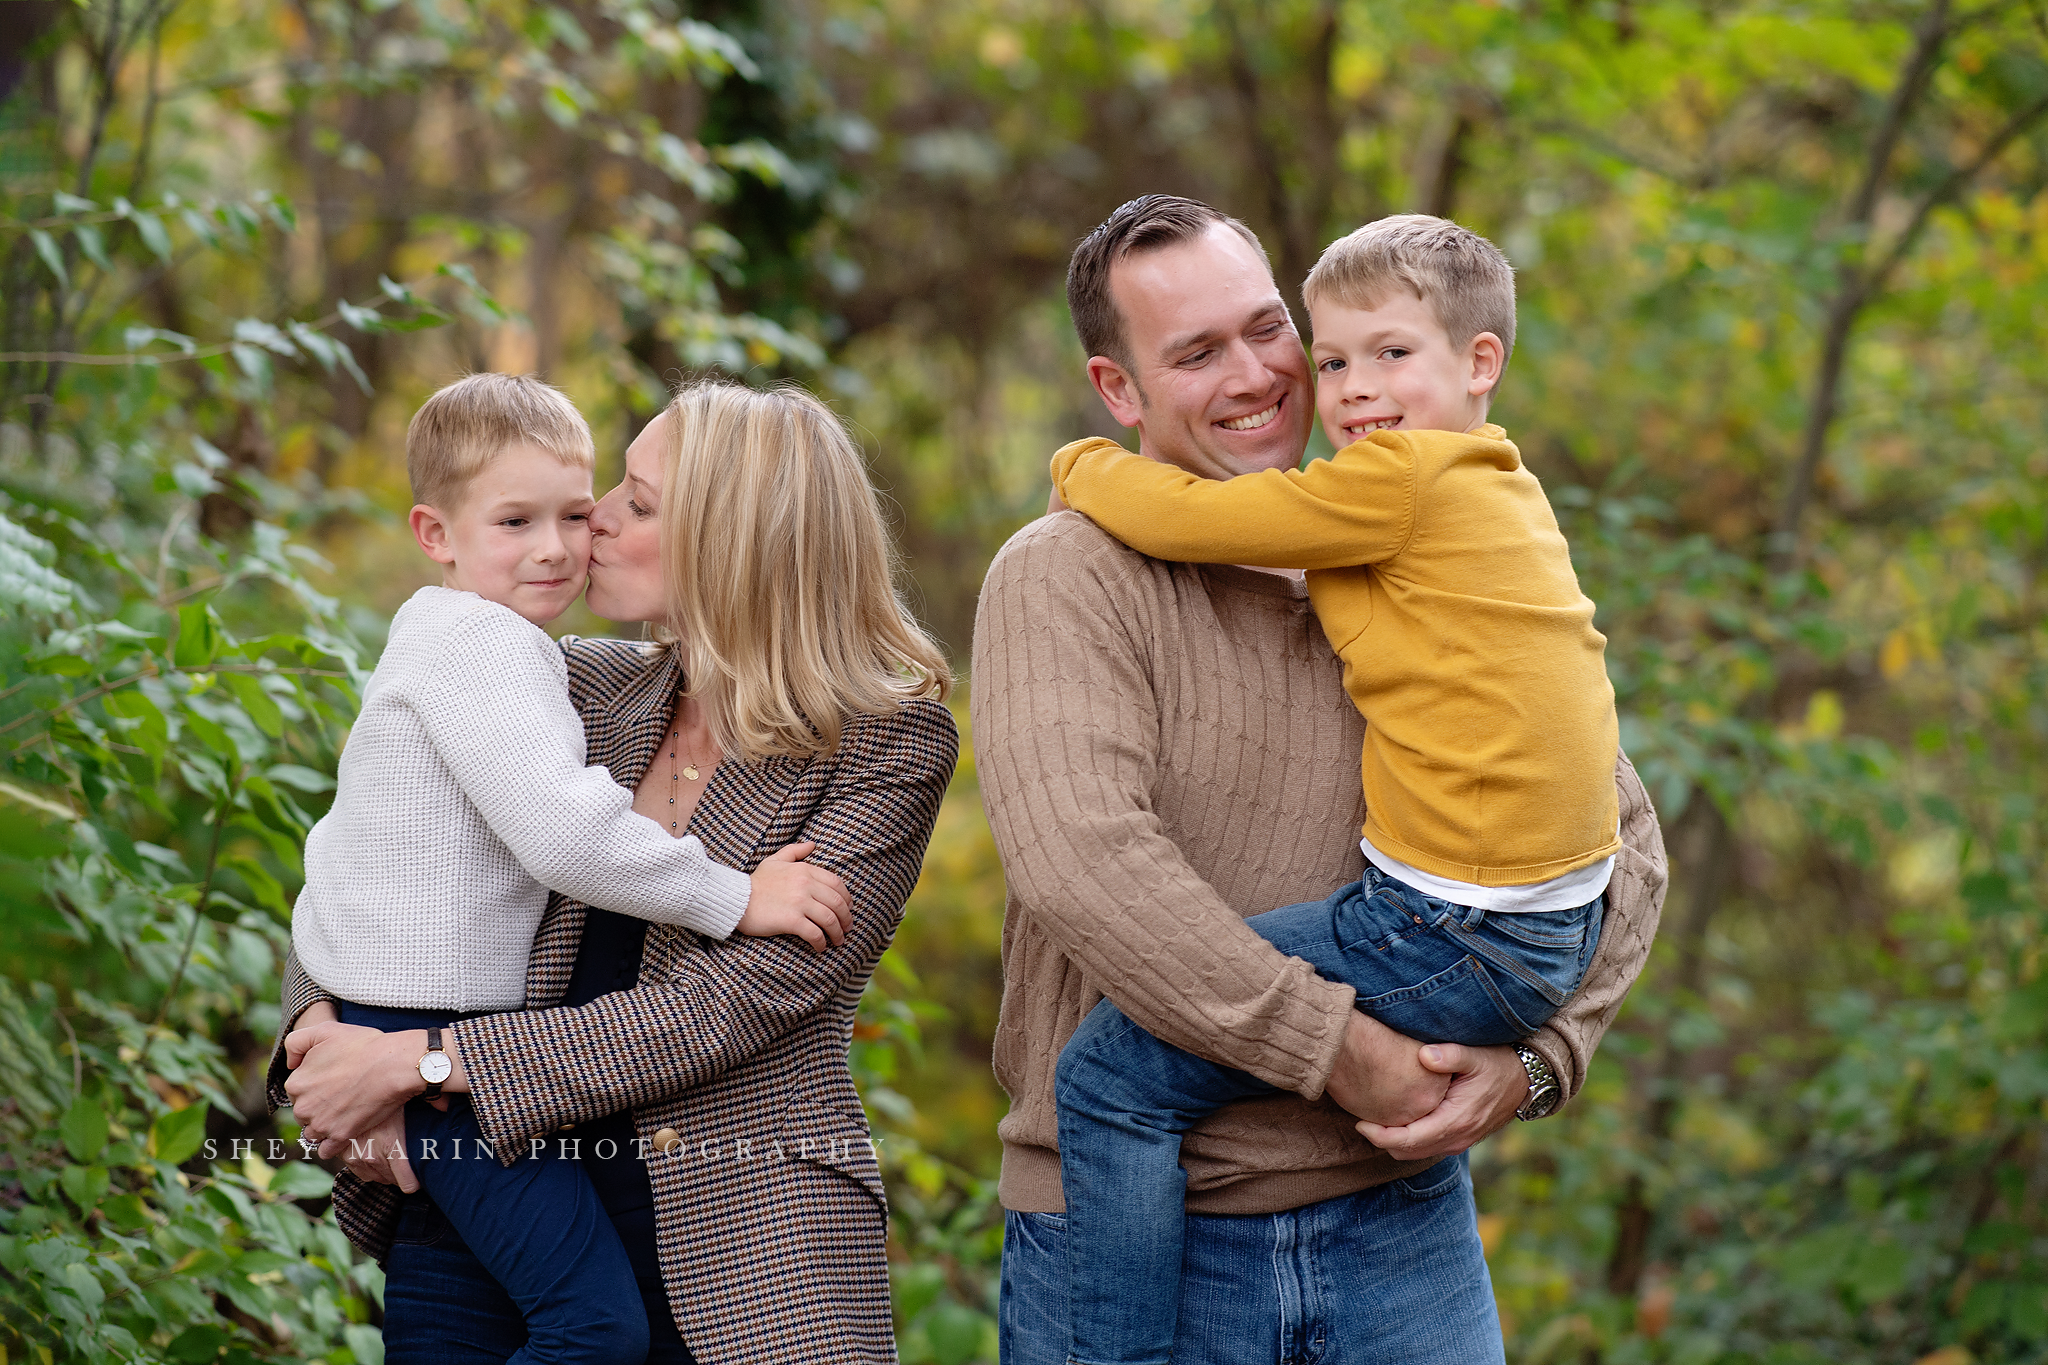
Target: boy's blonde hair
x,y
465,425
781,575
1463,277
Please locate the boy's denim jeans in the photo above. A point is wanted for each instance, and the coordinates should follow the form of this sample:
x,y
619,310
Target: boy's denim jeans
x,y
1393,1275
536,1228
1432,970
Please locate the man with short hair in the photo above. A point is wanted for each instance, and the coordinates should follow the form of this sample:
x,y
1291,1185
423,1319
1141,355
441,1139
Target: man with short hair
x,y
1167,748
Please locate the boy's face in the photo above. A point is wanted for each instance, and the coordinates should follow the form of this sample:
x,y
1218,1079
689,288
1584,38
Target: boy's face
x,y
520,537
1394,368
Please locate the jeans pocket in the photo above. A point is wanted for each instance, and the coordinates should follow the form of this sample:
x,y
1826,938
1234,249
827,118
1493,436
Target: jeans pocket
x,y
1563,930
1435,1182
421,1223
1537,963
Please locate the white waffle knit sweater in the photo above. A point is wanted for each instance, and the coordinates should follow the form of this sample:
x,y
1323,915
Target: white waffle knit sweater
x,y
463,798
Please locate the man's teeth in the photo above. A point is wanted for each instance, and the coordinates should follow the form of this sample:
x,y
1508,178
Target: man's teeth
x,y
1257,419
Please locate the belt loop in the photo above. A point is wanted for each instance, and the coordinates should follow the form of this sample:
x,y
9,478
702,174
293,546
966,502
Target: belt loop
x,y
1474,916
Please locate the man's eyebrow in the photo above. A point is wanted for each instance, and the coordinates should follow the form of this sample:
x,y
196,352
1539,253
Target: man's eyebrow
x,y
1176,344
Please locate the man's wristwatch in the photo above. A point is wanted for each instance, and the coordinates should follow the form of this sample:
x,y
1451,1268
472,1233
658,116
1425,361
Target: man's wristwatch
x,y
1545,1094
434,1066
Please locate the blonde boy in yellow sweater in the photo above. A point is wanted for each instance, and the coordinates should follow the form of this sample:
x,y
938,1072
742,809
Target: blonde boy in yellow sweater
x,y
1438,572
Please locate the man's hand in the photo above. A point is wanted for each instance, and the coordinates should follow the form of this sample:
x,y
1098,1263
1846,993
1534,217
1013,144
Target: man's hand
x,y
377,1156
1378,1076
1487,1085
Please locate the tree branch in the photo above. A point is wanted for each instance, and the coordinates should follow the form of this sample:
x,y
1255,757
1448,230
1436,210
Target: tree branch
x,y
1855,284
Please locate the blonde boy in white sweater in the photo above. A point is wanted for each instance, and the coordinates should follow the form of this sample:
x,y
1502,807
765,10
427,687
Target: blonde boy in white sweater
x,y
464,798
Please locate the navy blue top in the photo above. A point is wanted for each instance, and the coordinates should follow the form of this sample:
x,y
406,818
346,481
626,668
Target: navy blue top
x,y
607,960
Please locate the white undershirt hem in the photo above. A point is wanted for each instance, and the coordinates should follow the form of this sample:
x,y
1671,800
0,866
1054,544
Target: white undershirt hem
x,y
1568,892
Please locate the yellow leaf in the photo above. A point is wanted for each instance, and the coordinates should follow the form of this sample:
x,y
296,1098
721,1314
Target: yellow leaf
x,y
1824,715
1491,1227
1947,1355
1896,655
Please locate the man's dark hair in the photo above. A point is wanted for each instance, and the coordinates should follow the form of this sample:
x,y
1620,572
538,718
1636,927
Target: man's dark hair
x,y
1149,223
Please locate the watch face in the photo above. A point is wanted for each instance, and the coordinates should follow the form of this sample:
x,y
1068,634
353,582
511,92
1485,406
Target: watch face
x,y
435,1067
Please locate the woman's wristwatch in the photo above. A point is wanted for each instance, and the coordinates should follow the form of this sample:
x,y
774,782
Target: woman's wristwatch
x,y
434,1066
1545,1094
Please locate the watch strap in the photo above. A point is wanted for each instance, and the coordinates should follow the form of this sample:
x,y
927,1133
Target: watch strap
x,y
1545,1094
433,1090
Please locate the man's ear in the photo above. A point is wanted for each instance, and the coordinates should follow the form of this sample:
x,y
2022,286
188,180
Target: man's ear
x,y
430,529
1489,358
1119,391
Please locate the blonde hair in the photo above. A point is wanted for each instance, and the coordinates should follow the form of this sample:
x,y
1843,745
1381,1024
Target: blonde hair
x,y
467,424
781,575
1463,277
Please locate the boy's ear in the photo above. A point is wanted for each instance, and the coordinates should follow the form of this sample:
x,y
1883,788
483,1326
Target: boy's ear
x,y
1489,358
1119,391
430,529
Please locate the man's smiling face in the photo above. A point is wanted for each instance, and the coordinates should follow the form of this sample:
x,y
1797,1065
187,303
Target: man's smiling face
x,y
1219,383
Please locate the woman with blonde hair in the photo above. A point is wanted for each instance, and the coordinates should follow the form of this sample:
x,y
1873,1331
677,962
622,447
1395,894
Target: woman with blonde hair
x,y
787,697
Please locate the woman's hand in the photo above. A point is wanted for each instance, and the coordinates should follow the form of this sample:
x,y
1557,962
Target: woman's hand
x,y
346,1080
377,1156
792,897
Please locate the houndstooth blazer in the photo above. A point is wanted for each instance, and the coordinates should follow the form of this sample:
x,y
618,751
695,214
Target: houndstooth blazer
x,y
771,1219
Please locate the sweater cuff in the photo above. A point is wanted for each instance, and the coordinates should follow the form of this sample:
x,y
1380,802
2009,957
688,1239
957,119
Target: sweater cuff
x,y
1324,1035
720,901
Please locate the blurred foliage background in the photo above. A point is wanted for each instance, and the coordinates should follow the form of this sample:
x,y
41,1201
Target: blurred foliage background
x,y
1783,270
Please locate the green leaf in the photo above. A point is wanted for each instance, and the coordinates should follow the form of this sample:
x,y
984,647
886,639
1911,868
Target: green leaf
x,y
955,1332
93,243
27,832
198,1344
200,638
299,779
83,1128
46,250
175,1136
84,1185
79,1279
151,230
126,1212
301,1180
214,736
366,1343
260,705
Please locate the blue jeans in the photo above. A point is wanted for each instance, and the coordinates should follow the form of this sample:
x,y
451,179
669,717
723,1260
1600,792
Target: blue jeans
x,y
535,1228
1435,971
1393,1275
441,1307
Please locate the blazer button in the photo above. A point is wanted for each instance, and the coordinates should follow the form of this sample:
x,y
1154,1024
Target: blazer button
x,y
667,1140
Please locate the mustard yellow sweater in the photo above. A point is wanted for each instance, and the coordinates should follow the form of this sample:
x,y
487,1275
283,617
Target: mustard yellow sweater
x,y
1438,572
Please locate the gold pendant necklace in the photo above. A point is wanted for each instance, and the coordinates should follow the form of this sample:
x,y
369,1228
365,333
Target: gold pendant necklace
x,y
689,769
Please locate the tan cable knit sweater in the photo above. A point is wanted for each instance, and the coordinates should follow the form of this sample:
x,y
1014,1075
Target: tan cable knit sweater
x,y
1165,749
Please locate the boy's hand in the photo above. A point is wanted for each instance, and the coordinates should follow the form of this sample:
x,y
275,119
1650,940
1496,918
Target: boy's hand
x,y
792,897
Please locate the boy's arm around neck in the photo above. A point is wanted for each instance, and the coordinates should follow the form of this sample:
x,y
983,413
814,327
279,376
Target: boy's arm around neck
x,y
1355,508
